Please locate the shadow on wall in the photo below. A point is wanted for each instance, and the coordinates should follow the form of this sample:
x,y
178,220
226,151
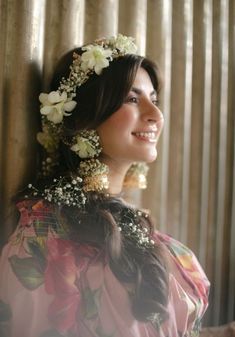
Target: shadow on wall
x,y
20,123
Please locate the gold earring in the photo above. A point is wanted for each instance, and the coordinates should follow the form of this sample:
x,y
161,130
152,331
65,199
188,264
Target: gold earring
x,y
136,176
94,175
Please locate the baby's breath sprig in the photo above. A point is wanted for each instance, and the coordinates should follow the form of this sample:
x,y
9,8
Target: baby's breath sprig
x,y
64,191
130,226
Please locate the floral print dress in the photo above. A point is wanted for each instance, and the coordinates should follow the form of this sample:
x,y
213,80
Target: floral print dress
x,y
52,287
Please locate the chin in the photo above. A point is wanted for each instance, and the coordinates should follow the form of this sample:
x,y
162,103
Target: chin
x,y
150,160
151,157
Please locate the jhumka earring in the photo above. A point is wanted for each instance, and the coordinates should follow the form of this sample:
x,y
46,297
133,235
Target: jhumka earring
x,y
87,146
136,176
94,174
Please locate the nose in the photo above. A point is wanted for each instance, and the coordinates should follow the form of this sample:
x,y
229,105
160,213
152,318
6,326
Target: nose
x,y
151,113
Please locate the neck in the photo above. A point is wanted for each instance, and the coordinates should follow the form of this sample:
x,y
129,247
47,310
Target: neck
x,y
117,172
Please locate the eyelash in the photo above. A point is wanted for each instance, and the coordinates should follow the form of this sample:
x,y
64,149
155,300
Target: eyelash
x,y
134,99
156,102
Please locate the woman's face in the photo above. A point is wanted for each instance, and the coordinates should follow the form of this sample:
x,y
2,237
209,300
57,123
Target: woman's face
x,y
131,133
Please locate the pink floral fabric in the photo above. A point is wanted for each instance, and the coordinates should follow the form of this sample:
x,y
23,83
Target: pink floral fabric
x,y
52,287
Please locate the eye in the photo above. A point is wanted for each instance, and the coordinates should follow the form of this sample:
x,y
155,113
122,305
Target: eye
x,y
132,99
156,102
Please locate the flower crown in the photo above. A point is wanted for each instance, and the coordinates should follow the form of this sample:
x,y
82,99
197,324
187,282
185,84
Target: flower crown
x,y
58,104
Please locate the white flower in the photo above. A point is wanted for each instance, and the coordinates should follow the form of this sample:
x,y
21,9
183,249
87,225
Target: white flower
x,y
55,105
124,43
95,57
83,148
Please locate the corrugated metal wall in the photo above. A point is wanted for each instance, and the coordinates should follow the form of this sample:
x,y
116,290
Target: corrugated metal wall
x,y
192,185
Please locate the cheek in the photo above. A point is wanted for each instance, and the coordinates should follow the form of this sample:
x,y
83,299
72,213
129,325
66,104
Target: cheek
x,y
122,119
121,123
117,127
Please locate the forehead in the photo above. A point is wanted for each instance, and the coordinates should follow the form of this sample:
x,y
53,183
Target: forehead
x,y
142,81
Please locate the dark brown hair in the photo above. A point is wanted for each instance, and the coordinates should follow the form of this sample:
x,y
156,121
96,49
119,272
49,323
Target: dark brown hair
x,y
144,270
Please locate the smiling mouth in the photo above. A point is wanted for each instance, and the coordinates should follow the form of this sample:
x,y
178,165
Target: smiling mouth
x,y
147,136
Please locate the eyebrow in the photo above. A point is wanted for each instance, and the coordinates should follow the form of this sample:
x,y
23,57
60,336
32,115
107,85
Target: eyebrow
x,y
139,92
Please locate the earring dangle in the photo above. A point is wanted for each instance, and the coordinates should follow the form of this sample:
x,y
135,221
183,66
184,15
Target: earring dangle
x,y
94,174
136,176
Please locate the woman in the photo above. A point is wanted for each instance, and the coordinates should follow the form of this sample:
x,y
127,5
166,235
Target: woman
x,y
82,261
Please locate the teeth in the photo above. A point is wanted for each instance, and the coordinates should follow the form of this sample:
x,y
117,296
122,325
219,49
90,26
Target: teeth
x,y
150,135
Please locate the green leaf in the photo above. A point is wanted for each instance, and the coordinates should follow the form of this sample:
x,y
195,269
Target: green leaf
x,y
91,301
5,312
28,271
37,249
40,229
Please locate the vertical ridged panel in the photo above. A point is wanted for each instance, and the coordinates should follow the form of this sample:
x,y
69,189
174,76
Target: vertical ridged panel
x,y
3,35
231,182
206,129
231,284
188,14
136,26
176,142
101,19
167,78
23,52
210,201
196,140
64,30
222,160
190,184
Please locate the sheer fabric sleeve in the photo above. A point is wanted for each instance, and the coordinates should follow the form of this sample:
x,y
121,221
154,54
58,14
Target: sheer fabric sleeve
x,y
24,296
50,286
188,288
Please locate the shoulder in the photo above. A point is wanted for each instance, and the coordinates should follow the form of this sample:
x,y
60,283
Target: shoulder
x,y
30,208
176,248
41,238
39,218
39,221
184,265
